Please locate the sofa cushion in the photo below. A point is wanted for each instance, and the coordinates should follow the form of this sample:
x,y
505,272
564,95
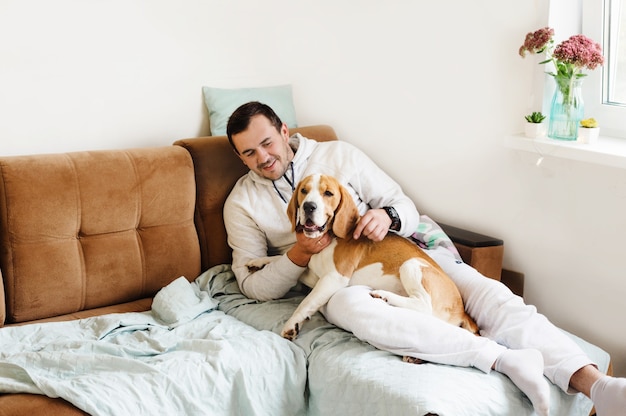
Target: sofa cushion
x,y
90,229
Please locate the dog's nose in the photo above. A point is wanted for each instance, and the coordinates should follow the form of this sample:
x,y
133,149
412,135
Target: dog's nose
x,y
309,207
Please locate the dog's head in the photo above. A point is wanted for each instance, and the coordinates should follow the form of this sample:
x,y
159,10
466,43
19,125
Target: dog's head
x,y
320,203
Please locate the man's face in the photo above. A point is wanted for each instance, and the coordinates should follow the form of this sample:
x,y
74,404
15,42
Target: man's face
x,y
264,149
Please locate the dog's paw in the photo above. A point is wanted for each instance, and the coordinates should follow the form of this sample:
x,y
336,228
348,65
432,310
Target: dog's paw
x,y
412,360
290,332
257,264
379,294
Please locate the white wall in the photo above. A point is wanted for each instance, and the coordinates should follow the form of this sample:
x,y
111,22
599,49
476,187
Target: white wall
x,y
428,89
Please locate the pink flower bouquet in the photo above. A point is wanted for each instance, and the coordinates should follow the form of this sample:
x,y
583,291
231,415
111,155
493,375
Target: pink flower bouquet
x,y
569,57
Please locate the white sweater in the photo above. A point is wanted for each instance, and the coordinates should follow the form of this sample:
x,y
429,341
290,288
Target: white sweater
x,y
256,219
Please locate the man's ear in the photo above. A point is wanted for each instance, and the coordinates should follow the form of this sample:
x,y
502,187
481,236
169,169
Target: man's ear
x,y
284,131
346,214
239,156
235,151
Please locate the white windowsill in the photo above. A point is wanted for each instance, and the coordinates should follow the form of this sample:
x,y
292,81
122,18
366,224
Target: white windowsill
x,y
608,151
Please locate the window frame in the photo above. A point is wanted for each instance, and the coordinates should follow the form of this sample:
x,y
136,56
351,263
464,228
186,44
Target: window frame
x,y
610,116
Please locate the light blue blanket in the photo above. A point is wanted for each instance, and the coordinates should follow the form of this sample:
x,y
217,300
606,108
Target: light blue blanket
x,y
213,364
350,377
134,364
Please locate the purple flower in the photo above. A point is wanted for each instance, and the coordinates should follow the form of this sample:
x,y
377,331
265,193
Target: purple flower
x,y
537,42
569,57
579,51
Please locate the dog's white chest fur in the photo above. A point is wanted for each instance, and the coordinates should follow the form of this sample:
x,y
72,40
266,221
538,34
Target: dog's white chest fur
x,y
323,262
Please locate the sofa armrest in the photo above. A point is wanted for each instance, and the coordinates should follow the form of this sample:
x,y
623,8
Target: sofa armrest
x,y
482,252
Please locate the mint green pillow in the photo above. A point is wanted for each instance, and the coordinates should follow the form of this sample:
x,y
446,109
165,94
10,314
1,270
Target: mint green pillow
x,y
221,102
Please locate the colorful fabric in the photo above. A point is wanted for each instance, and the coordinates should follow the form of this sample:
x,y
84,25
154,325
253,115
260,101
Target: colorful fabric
x,y
430,235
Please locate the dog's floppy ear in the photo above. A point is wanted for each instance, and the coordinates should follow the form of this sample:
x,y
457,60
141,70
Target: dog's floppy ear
x,y
292,209
346,214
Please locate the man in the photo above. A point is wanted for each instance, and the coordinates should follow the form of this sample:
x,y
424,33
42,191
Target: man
x,y
513,334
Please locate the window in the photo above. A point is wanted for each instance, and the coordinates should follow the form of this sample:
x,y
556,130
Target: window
x,y
605,90
614,77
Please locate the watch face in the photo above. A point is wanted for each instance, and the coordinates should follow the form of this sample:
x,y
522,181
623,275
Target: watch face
x,y
395,218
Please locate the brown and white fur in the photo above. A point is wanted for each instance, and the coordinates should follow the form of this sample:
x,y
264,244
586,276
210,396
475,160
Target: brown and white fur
x,y
397,269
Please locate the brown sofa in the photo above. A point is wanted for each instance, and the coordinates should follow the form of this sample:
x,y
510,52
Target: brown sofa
x,y
89,233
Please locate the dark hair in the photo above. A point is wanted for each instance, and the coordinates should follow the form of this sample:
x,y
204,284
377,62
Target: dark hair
x,y
240,119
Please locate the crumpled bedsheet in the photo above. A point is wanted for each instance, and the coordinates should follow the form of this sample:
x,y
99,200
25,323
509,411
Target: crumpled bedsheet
x,y
350,377
135,364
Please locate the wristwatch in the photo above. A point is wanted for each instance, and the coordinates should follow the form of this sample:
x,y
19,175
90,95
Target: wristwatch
x,y
395,218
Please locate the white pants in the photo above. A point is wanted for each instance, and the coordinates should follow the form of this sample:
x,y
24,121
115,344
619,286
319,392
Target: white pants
x,y
503,318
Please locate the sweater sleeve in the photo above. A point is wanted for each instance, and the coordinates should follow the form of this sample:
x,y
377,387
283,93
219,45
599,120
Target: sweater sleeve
x,y
249,242
271,282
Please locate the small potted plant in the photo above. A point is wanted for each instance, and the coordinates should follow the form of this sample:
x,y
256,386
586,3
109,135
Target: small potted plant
x,y
589,131
535,127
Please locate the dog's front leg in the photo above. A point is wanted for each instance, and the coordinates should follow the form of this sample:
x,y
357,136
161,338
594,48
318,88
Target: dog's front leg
x,y
319,296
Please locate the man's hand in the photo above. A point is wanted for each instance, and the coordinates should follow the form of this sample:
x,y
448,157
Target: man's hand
x,y
305,247
374,225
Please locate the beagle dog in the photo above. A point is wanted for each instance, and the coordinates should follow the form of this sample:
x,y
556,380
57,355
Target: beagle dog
x,y
397,269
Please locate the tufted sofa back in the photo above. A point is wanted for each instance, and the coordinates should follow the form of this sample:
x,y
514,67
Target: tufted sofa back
x,y
89,229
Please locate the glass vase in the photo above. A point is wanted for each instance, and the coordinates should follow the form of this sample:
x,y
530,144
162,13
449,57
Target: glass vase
x,y
567,108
